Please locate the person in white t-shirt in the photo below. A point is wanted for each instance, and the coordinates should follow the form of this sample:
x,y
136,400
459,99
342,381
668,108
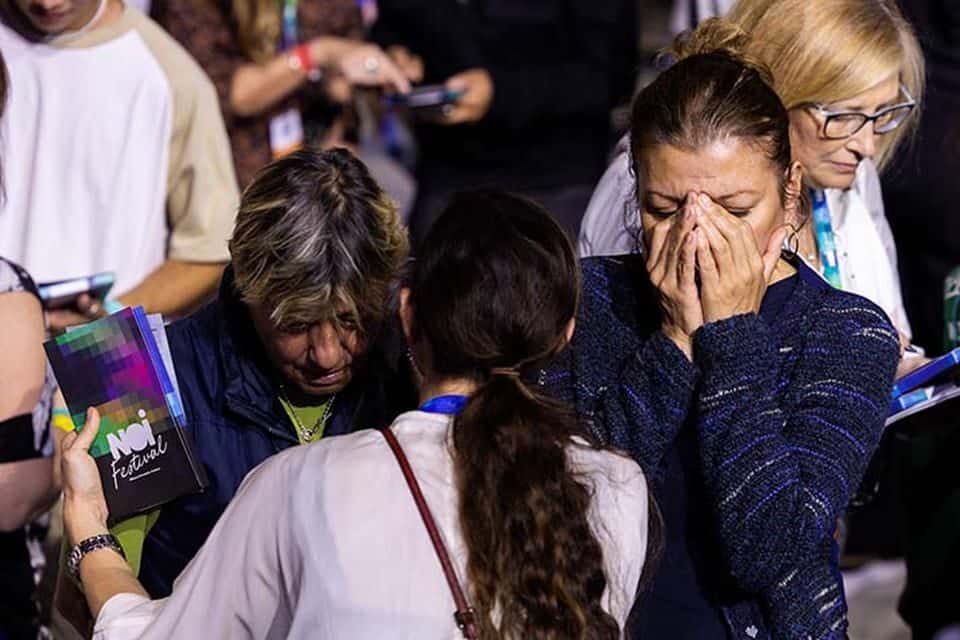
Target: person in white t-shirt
x,y
116,156
546,531
851,103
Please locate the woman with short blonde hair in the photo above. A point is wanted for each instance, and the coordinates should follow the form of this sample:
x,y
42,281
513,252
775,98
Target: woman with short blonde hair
x,y
826,51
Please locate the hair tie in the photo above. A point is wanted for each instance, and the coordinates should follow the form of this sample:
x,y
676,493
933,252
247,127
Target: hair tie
x,y
510,372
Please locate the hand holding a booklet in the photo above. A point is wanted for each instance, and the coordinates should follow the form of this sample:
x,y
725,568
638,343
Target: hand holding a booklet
x,y
84,504
121,365
102,568
132,453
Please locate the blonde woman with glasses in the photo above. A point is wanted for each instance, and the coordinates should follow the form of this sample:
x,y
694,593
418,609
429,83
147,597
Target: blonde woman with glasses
x,y
851,75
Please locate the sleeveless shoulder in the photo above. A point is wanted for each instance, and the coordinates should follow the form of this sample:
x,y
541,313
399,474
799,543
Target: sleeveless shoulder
x,y
14,278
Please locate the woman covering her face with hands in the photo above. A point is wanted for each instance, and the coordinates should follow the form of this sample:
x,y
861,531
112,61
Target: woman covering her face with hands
x,y
749,390
851,75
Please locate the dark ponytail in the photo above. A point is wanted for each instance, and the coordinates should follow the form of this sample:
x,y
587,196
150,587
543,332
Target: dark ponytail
x,y
493,293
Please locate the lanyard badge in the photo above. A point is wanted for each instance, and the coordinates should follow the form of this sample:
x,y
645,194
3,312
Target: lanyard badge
x,y
291,27
823,229
286,129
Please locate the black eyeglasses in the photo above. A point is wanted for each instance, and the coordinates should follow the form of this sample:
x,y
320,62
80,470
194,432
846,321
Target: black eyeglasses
x,y
838,125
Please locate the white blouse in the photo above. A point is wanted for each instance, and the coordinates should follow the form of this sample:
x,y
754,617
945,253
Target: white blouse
x,y
866,250
325,541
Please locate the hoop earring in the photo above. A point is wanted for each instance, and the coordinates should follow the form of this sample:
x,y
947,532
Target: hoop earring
x,y
791,244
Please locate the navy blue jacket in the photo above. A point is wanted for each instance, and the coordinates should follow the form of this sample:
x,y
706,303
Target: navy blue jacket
x,y
236,420
771,428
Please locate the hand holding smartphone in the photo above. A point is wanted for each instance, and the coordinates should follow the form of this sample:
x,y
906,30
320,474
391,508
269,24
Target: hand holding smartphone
x,y
64,294
428,97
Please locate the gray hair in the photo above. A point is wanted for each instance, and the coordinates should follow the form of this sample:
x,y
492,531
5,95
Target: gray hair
x,y
317,238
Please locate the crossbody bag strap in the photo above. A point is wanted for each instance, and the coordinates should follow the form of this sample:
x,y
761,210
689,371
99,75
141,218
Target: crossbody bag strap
x,y
464,615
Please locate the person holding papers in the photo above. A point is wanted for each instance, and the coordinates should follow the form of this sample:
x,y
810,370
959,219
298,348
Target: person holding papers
x,y
544,531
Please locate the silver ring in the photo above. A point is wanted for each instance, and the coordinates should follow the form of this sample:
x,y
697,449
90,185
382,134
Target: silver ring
x,y
371,64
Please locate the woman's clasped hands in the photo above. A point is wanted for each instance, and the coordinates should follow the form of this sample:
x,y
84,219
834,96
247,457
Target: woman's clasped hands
x,y
708,265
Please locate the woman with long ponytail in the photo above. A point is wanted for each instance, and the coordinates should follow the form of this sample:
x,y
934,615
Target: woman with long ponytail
x,y
493,295
487,509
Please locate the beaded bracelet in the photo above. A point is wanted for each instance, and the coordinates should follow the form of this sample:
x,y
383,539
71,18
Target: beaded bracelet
x,y
300,59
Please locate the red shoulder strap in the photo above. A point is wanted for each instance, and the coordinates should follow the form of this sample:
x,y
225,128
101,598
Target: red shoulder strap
x,y
464,615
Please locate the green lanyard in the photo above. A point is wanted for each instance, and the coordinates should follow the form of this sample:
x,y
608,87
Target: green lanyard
x,y
291,27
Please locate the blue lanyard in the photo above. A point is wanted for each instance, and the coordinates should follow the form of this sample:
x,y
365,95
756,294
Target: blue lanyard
x,y
291,27
449,405
823,228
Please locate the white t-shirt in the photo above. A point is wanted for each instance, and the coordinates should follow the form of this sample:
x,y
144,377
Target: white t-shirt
x,y
866,250
324,541
114,155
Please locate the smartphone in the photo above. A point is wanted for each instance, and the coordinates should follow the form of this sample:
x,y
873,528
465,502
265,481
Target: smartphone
x,y
64,293
426,97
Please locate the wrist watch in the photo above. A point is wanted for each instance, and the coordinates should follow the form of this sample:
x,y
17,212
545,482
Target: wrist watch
x,y
93,543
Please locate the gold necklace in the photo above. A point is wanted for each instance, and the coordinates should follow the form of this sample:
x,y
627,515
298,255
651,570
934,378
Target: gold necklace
x,y
306,433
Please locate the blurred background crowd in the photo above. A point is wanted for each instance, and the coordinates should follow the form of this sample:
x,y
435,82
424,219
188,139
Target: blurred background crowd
x,y
535,97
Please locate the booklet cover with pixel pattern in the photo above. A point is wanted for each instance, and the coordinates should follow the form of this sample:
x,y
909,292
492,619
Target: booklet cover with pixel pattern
x,y
118,364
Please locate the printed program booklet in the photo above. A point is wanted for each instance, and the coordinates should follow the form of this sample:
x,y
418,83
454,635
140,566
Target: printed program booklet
x,y
121,365
926,407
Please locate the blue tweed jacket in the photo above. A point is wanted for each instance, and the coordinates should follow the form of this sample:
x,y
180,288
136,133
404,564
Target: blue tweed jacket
x,y
784,413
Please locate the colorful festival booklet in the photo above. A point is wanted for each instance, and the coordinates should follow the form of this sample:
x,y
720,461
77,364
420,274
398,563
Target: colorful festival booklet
x,y
121,366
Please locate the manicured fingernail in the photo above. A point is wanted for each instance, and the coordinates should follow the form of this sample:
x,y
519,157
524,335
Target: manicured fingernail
x,y
704,200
